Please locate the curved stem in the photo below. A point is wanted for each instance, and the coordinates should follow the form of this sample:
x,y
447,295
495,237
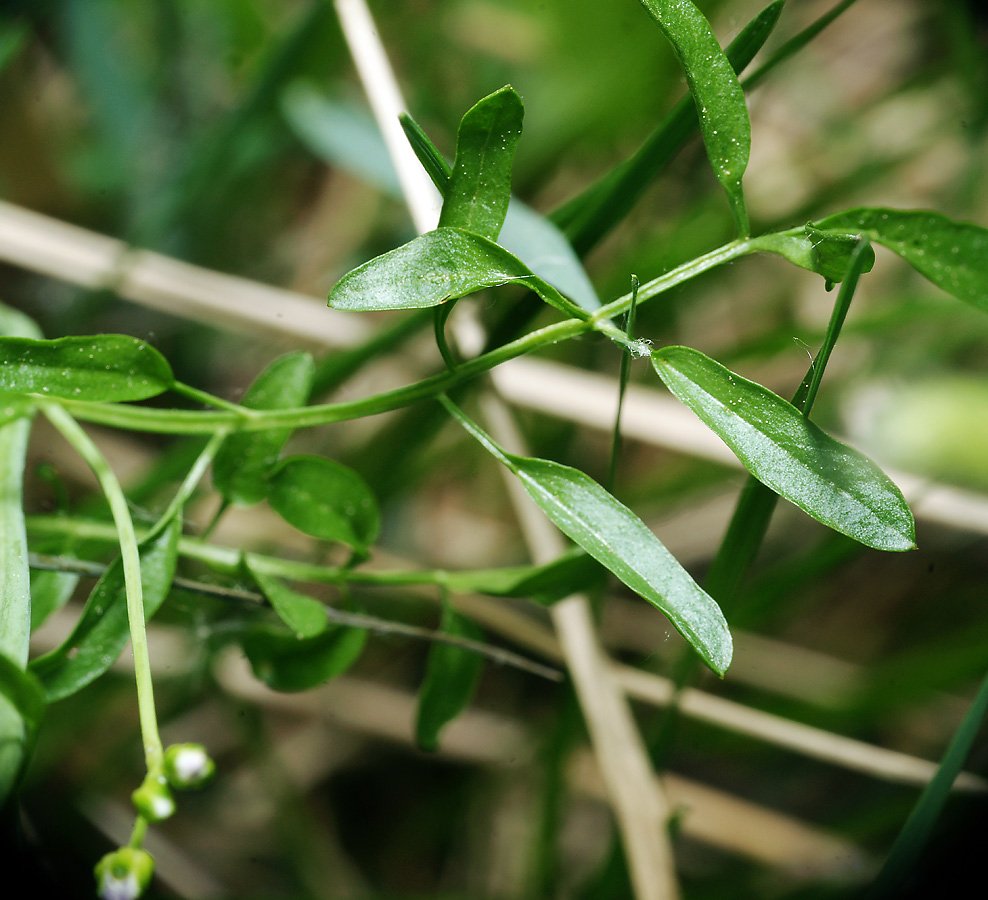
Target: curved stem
x,y
130,558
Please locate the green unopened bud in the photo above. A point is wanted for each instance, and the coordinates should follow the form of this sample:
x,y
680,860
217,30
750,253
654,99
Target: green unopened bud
x,y
124,874
153,798
188,766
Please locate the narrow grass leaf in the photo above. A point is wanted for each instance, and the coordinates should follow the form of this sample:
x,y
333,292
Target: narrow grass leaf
x,y
593,213
102,631
953,255
242,464
614,536
108,367
476,199
450,680
325,499
716,91
830,481
919,827
285,662
305,616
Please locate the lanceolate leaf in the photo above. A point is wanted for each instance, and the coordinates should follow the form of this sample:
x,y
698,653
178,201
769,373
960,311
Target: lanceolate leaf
x,y
479,189
109,367
953,255
286,663
325,499
441,265
785,451
716,91
103,631
614,536
242,464
302,614
450,680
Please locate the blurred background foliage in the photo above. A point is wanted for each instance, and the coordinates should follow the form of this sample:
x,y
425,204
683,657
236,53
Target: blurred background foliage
x,y
233,134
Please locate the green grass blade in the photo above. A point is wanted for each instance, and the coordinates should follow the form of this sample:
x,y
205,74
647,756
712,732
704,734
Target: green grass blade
x,y
918,829
591,215
717,93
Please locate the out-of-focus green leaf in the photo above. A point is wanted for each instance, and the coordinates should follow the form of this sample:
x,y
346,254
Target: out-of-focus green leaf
x,y
103,630
111,367
476,198
614,536
442,265
716,91
450,680
242,464
302,614
953,255
785,451
325,499
598,209
287,663
22,705
341,134
827,253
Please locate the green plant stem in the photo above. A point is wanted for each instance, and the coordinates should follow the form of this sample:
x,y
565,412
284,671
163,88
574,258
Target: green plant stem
x,y
130,557
163,421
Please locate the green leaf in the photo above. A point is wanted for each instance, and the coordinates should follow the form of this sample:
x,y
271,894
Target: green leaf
x,y
953,255
242,464
302,614
614,536
476,199
825,252
325,499
831,482
110,367
287,663
22,706
441,265
450,680
716,91
588,217
102,630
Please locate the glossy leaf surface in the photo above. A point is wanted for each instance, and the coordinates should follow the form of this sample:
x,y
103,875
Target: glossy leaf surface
x,y
830,481
242,464
953,255
572,572
110,367
825,252
287,663
325,499
476,198
614,536
441,265
304,615
450,680
716,91
103,630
